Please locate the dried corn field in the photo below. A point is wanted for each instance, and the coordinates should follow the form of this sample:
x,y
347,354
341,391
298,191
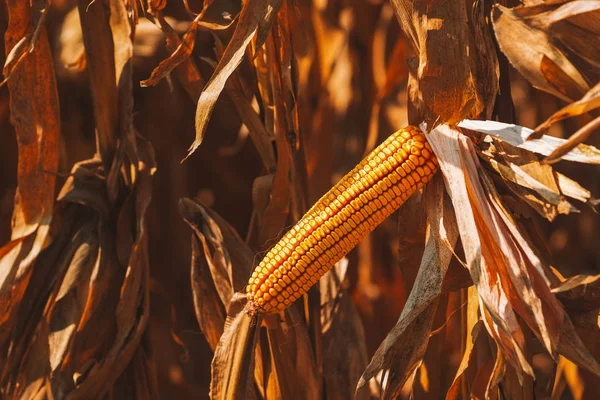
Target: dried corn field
x,y
296,199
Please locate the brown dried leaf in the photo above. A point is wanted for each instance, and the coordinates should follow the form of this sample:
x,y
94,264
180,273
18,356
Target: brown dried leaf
x,y
221,263
294,377
253,15
445,83
533,53
574,190
405,344
473,328
582,13
495,246
228,257
517,136
580,293
546,200
574,141
218,15
233,363
343,369
35,116
101,59
460,178
182,52
590,101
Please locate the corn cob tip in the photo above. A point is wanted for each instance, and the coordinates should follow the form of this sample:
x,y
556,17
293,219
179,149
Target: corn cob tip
x,y
250,309
359,202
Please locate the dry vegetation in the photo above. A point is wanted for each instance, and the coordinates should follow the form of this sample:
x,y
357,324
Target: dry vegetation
x,y
485,284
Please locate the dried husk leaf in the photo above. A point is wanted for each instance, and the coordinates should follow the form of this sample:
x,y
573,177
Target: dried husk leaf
x,y
35,115
523,288
232,367
221,263
445,84
517,136
533,53
590,101
405,344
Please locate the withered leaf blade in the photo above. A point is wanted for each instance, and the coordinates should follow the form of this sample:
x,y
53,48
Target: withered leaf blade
x,y
445,84
232,368
36,117
293,377
528,292
461,174
342,328
221,264
517,136
181,53
229,258
405,344
574,141
100,56
34,113
250,17
343,369
473,329
579,293
590,101
532,52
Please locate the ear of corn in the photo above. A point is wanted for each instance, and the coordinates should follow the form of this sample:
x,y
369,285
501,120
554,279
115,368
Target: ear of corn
x,y
359,202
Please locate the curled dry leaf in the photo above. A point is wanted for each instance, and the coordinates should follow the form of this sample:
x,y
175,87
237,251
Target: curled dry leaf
x,y
574,141
580,293
292,377
183,48
590,101
35,116
342,328
517,136
405,345
182,52
88,293
221,264
474,326
533,53
232,367
509,277
444,82
252,17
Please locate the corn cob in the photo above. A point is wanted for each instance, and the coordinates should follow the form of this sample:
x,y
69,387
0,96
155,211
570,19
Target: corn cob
x,y
359,202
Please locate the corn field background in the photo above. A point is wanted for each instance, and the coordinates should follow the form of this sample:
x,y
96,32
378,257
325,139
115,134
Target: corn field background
x,y
152,151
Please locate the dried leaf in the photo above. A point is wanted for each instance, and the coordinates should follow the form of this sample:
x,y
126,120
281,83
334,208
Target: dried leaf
x,y
405,344
233,363
574,141
35,116
251,17
445,79
572,189
590,101
533,53
182,52
525,289
228,257
517,136
221,264
473,329
294,377
343,369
